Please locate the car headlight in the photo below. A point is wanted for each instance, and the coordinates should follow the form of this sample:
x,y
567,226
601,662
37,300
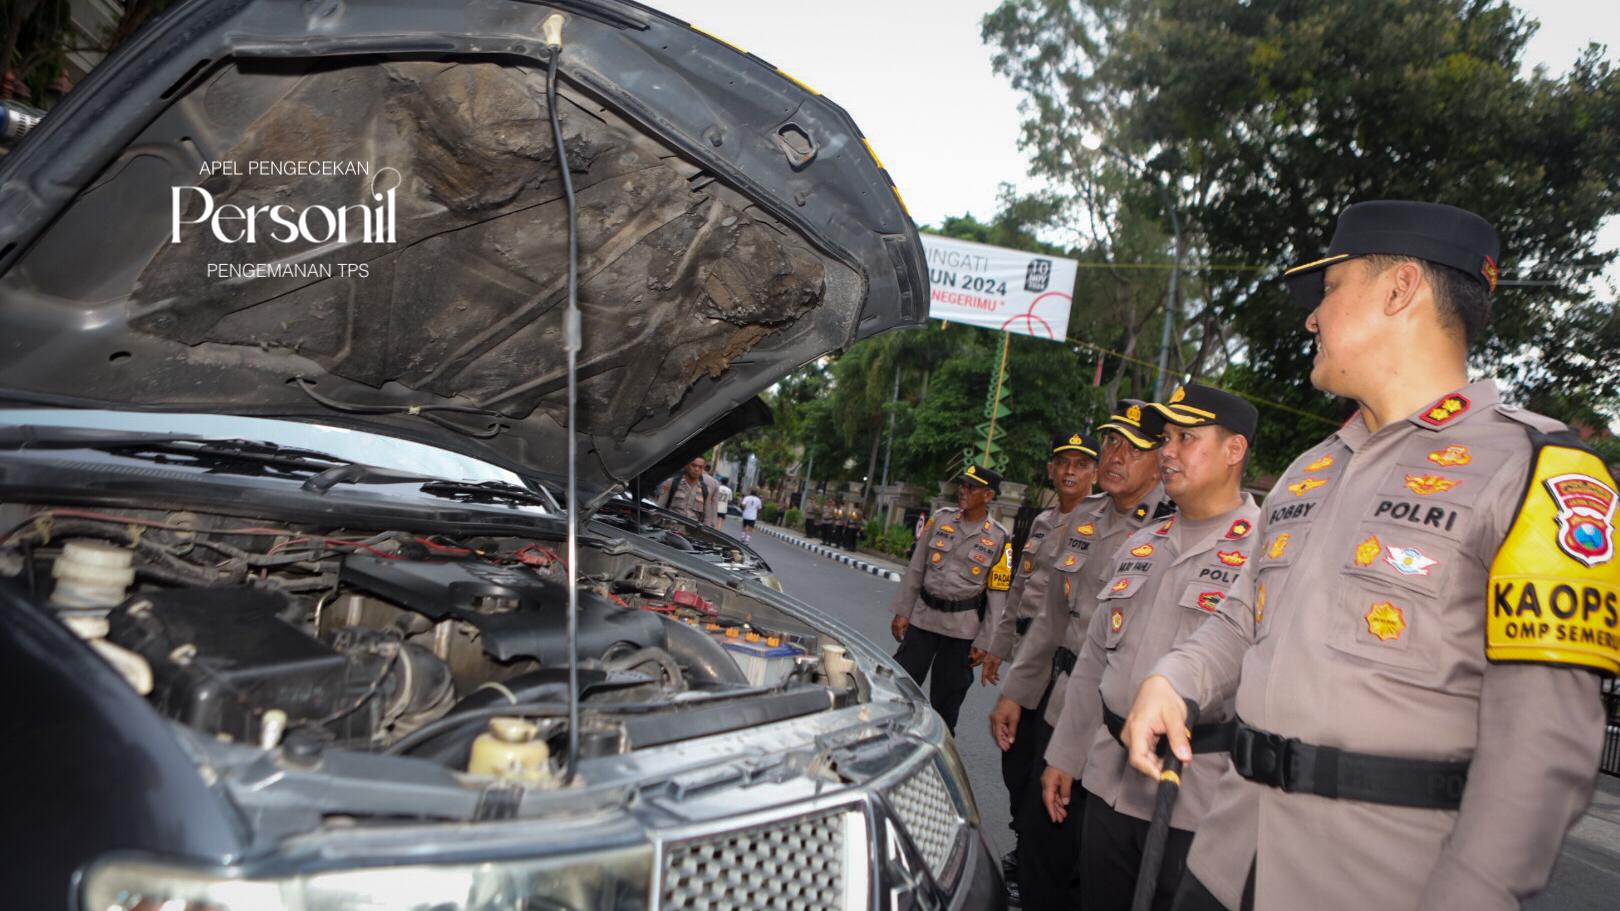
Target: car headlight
x,y
617,879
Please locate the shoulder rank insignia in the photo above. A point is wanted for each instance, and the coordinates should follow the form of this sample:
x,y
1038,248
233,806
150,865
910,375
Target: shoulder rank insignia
x,y
1425,484
1445,410
1232,557
1278,546
1239,529
1386,621
1326,461
1451,456
1558,601
1145,550
1209,601
1306,486
1367,551
1141,512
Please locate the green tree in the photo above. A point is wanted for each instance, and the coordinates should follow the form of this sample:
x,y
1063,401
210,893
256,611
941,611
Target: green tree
x,y
1255,122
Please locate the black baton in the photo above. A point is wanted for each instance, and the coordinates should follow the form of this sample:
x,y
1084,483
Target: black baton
x,y
1147,876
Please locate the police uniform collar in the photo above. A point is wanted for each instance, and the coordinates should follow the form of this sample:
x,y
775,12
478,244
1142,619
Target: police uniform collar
x,y
1456,407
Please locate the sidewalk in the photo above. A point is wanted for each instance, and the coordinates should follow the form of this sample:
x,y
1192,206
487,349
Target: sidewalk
x,y
881,567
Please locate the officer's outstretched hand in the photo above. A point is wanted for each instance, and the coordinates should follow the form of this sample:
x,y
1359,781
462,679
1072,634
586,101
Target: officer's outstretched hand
x,y
1158,711
1056,785
898,627
992,670
1004,722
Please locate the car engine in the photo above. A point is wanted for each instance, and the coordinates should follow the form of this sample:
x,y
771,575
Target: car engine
x,y
411,644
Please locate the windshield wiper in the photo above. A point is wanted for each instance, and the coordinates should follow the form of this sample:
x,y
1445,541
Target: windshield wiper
x,y
488,492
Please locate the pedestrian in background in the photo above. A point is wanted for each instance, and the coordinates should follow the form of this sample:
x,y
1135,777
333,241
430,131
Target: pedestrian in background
x,y
750,515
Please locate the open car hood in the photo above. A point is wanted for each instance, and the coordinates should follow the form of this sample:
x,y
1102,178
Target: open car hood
x,y
733,225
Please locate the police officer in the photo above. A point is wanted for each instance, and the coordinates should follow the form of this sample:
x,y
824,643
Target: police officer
x,y
812,516
1412,657
945,595
1033,689
1071,467
852,526
693,493
1165,582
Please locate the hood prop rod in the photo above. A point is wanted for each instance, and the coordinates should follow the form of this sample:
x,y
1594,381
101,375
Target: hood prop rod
x,y
552,28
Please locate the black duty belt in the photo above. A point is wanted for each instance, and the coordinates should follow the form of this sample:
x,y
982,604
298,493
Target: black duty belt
x,y
1206,738
977,602
1062,661
1022,624
1289,764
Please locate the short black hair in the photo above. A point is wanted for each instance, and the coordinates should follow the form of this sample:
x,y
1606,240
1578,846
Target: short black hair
x,y
1464,303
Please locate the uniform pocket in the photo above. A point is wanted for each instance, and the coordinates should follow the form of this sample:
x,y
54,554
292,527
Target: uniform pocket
x,y
1391,628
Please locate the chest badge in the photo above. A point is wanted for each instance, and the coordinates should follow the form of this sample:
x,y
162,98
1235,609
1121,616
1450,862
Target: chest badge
x,y
1410,561
1232,557
1326,461
1120,586
1260,603
1586,509
988,542
1026,566
948,529
1070,560
1279,546
1116,619
1451,456
935,557
1386,621
1306,486
1239,529
1146,550
1086,530
1367,551
1426,484
1445,411
1209,601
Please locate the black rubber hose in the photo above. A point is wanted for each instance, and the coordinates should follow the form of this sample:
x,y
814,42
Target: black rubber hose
x,y
704,659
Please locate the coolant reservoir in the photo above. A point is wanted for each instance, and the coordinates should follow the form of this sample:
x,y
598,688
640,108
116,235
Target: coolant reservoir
x,y
511,749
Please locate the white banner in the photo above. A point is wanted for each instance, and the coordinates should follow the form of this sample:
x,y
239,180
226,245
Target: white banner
x,y
997,288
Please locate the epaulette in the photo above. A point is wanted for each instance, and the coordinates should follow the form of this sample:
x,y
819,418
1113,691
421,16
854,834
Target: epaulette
x,y
1554,590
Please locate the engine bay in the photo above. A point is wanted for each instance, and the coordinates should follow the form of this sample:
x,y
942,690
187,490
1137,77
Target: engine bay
x,y
449,650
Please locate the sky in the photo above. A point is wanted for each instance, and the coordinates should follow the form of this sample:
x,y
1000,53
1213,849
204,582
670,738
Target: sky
x,y
916,78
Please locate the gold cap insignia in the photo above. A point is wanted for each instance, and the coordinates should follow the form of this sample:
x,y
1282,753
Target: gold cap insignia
x,y
1178,395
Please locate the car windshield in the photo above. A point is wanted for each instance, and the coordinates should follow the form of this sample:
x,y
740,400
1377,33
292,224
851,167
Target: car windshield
x,y
341,442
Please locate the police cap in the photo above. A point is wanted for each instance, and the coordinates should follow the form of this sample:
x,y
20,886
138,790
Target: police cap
x,y
1423,230
1127,422
981,476
1073,442
1194,405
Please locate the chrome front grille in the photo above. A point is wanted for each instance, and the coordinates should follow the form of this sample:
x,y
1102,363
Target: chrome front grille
x,y
926,810
790,864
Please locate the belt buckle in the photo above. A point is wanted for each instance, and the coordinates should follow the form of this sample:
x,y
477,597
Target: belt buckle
x,y
1266,757
1283,748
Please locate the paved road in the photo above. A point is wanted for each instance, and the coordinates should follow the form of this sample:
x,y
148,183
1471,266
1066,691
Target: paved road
x,y
1587,877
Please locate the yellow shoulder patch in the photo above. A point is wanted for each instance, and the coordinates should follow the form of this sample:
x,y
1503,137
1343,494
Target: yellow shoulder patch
x,y
1555,586
1001,574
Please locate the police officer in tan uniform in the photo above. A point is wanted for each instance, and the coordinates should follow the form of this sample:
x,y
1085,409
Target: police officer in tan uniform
x,y
1032,691
1071,467
945,595
693,493
1413,643
1166,581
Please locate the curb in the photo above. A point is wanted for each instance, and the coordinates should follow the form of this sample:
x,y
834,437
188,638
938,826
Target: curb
x,y
862,565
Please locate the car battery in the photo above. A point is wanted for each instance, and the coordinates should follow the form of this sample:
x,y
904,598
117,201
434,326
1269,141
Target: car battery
x,y
765,661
